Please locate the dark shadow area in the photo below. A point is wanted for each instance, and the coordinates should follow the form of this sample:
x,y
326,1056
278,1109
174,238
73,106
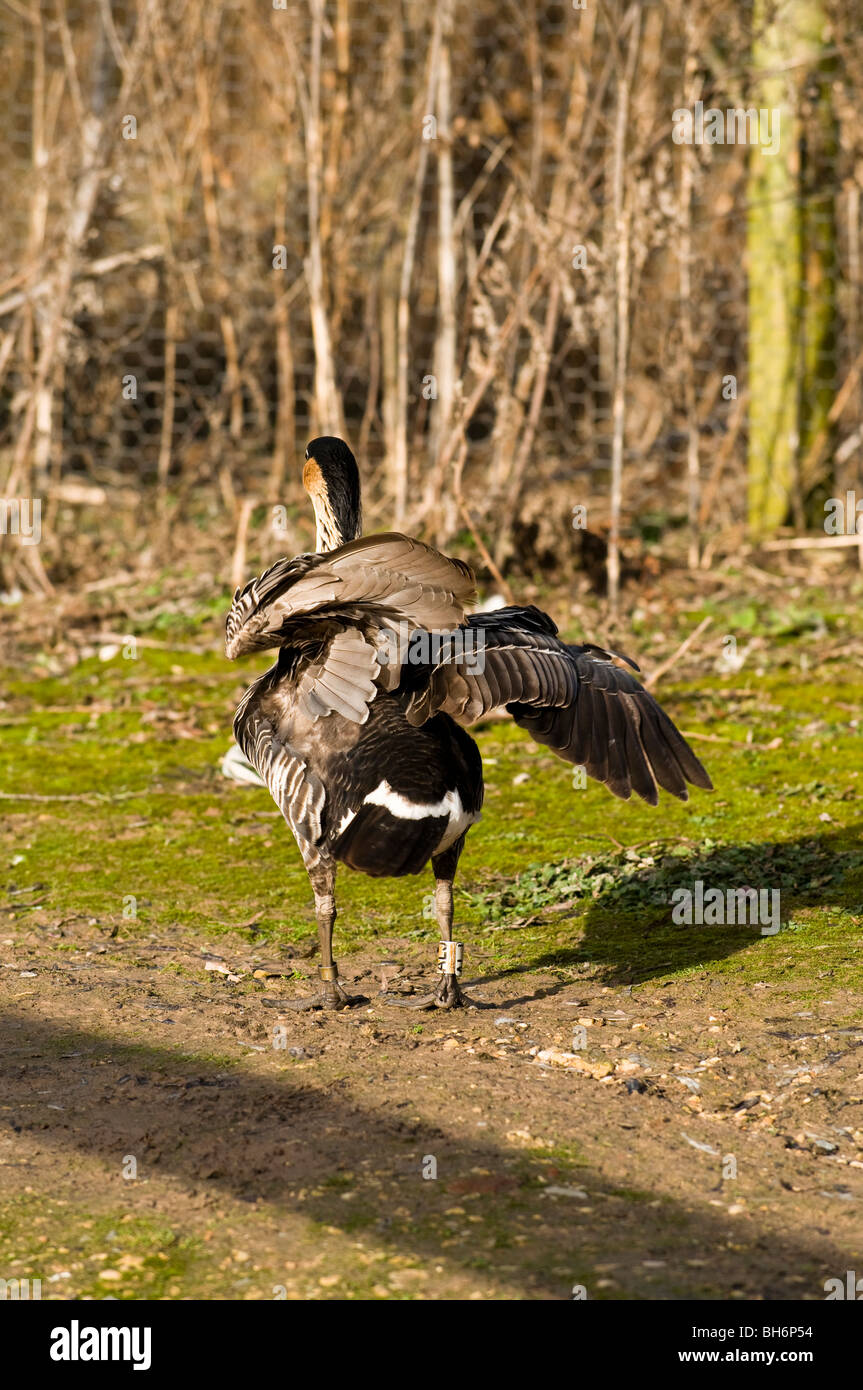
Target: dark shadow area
x,y
628,929
264,1141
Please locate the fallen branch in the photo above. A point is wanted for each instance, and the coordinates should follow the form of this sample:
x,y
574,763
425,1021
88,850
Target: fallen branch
x,y
816,542
124,637
675,656
81,796
92,271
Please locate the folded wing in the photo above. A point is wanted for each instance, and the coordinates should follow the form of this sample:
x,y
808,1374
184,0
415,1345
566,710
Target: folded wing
x,y
391,575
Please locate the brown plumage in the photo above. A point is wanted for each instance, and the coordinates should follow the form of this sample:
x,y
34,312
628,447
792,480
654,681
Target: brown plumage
x,y
572,699
358,728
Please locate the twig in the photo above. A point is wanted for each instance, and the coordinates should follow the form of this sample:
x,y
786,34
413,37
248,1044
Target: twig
x,y
238,565
172,318
92,271
816,542
400,446
692,90
483,550
504,333
445,339
122,637
681,651
808,475
96,796
734,742
621,309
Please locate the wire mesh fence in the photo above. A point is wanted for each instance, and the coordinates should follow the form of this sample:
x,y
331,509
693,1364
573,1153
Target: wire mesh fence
x,y
558,271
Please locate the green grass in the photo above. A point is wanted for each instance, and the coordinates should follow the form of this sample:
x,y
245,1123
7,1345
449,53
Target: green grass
x,y
140,741
142,1258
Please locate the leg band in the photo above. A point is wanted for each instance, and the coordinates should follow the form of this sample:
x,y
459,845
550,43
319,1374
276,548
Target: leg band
x,y
449,957
329,973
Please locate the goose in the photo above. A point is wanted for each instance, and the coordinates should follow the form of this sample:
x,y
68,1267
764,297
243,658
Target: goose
x,y
359,728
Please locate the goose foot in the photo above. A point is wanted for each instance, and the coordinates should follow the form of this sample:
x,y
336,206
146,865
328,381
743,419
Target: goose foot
x,y
448,995
331,996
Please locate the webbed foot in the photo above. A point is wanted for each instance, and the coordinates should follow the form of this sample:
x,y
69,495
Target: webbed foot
x,y
448,995
331,996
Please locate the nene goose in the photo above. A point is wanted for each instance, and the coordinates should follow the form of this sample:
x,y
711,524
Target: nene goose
x,y
357,728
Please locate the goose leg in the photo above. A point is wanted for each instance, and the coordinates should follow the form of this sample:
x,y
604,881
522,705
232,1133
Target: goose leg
x,y
331,996
449,994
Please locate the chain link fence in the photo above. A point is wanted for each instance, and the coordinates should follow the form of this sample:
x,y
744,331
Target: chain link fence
x,y
561,273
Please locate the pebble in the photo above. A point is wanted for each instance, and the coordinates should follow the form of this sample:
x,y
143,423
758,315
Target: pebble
x,y
222,970
551,1056
705,1148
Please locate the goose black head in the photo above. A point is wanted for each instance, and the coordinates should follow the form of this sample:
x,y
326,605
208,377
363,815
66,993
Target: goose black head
x,y
332,480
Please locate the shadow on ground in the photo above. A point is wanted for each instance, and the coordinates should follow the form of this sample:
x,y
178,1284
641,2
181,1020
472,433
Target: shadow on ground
x,y
285,1146
628,931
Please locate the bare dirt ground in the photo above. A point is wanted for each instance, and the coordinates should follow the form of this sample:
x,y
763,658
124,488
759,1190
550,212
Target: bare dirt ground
x,y
300,1168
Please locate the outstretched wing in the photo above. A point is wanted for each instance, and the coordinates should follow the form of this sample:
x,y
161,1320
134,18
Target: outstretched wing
x,y
389,575
571,698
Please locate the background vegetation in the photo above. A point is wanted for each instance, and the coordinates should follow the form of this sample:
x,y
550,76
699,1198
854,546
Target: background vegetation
x,y
463,235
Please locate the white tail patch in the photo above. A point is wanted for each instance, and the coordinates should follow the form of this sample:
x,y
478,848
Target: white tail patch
x,y
450,805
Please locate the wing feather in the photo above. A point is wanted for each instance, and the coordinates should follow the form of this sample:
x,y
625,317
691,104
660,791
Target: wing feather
x,y
388,574
342,678
573,699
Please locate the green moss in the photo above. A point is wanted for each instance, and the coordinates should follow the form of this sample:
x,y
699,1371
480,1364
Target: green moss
x,y
138,744
150,1258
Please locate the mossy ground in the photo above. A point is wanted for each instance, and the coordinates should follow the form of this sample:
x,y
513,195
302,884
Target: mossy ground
x,y
126,858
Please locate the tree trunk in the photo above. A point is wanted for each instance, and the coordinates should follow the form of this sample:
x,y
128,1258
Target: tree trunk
x,y
791,247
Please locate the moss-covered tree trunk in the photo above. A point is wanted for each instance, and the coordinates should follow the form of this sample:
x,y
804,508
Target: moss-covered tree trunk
x,y
791,246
